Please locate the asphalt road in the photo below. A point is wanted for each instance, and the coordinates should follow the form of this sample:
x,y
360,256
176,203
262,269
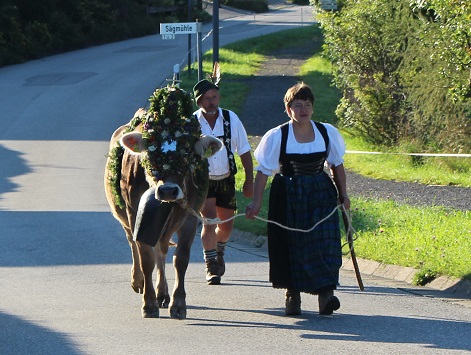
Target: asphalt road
x,y
65,263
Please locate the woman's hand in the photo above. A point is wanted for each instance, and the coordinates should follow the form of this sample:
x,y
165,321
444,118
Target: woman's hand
x,y
252,210
345,200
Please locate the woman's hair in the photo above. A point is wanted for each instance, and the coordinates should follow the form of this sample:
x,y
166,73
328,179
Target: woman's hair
x,y
300,91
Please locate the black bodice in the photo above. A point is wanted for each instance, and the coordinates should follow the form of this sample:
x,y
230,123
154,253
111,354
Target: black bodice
x,y
302,164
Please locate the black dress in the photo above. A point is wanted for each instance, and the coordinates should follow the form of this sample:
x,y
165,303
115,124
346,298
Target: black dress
x,y
301,195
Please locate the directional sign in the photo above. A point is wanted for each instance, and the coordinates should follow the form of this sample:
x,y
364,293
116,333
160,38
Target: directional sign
x,y
181,28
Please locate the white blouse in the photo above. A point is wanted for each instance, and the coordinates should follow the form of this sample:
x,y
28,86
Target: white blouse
x,y
268,150
219,163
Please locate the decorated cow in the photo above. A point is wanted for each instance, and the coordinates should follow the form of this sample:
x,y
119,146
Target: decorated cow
x,y
156,180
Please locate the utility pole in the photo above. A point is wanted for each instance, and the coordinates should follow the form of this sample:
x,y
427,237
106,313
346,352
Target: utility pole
x,y
189,39
215,31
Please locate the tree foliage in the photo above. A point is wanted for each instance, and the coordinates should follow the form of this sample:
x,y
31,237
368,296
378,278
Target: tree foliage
x,y
33,29
404,68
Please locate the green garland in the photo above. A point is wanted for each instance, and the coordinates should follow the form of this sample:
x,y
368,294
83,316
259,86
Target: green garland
x,y
169,132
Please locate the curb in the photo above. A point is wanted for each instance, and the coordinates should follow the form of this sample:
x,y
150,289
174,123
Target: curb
x,y
456,287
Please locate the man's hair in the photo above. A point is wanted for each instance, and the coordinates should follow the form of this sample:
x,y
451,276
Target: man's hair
x,y
300,91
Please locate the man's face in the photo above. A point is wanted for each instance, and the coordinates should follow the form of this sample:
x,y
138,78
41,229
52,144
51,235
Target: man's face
x,y
209,102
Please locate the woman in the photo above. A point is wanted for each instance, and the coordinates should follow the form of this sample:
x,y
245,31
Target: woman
x,y
301,195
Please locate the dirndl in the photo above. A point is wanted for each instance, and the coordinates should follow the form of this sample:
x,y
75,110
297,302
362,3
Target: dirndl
x,y
306,262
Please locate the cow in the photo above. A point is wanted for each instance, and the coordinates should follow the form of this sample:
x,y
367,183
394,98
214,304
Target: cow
x,y
156,180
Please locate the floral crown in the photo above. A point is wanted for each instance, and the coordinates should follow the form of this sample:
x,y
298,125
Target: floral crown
x,y
169,131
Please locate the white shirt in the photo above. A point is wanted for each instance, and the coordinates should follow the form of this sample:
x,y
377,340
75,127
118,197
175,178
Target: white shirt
x,y
219,163
268,150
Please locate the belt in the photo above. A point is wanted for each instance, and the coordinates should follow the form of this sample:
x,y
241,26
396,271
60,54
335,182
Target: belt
x,y
219,177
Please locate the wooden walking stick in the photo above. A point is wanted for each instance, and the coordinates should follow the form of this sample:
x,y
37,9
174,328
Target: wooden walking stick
x,y
348,230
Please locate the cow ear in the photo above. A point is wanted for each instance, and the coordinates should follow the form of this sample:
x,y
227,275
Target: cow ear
x,y
133,142
207,146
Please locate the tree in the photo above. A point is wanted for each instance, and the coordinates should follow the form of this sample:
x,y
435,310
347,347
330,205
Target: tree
x,y
404,69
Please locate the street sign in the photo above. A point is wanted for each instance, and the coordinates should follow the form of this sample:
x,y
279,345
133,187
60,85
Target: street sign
x,y
328,4
168,36
182,28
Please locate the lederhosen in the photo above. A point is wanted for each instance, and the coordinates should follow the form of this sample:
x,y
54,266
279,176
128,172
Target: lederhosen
x,y
226,185
301,195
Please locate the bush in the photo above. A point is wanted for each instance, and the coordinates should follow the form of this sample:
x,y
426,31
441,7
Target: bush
x,y
30,30
399,79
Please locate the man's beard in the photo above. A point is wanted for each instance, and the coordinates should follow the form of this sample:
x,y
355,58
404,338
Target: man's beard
x,y
211,110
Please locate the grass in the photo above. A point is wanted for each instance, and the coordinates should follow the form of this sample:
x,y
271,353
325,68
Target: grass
x,y
399,167
434,240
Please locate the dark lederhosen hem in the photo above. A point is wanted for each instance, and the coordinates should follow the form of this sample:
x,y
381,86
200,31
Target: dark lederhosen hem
x,y
307,262
224,192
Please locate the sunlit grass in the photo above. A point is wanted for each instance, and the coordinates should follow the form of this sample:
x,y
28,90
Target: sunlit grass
x,y
399,167
432,238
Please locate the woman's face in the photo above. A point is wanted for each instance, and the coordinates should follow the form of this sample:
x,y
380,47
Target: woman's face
x,y
300,110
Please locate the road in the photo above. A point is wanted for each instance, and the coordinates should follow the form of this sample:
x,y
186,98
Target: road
x,y
65,263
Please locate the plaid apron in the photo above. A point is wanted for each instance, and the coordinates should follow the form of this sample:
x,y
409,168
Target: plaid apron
x,y
306,262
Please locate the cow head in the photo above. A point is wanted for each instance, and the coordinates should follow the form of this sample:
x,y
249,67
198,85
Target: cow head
x,y
170,184
170,145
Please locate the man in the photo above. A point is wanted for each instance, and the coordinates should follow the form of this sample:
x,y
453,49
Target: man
x,y
220,201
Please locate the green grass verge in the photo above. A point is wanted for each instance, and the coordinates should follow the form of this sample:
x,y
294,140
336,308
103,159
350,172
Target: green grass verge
x,y
433,240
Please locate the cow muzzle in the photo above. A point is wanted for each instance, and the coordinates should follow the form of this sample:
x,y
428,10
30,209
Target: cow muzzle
x,y
168,192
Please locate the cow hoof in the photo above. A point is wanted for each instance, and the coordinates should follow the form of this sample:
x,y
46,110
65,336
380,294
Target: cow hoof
x,y
150,312
138,289
177,313
163,301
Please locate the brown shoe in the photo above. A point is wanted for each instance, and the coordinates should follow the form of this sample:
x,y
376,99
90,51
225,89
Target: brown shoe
x,y
221,263
292,303
212,272
328,303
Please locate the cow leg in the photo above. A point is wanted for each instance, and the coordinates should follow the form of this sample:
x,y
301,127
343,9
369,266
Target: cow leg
x,y
181,258
150,308
137,279
163,297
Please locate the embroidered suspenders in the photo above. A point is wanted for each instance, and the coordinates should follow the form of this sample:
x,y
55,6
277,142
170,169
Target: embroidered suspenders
x,y
227,141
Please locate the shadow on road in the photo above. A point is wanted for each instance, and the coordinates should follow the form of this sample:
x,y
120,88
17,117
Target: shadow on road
x,y
13,165
23,337
431,333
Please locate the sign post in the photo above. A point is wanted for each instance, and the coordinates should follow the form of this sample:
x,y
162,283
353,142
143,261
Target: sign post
x,y
199,50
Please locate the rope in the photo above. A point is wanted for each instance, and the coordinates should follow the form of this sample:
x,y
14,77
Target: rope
x,y
211,221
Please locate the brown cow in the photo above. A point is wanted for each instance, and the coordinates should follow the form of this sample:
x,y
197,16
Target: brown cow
x,y
161,181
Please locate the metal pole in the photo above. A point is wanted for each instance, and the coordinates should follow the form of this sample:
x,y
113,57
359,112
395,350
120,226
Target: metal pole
x,y
189,39
215,31
176,75
199,28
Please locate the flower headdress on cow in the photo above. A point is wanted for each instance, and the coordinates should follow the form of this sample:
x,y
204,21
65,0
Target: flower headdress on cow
x,y
169,132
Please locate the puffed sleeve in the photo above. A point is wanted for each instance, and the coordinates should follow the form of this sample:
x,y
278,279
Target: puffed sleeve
x,y
337,147
267,153
239,140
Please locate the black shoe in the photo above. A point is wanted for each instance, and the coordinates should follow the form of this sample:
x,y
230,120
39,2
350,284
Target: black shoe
x,y
212,272
292,303
221,263
330,306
